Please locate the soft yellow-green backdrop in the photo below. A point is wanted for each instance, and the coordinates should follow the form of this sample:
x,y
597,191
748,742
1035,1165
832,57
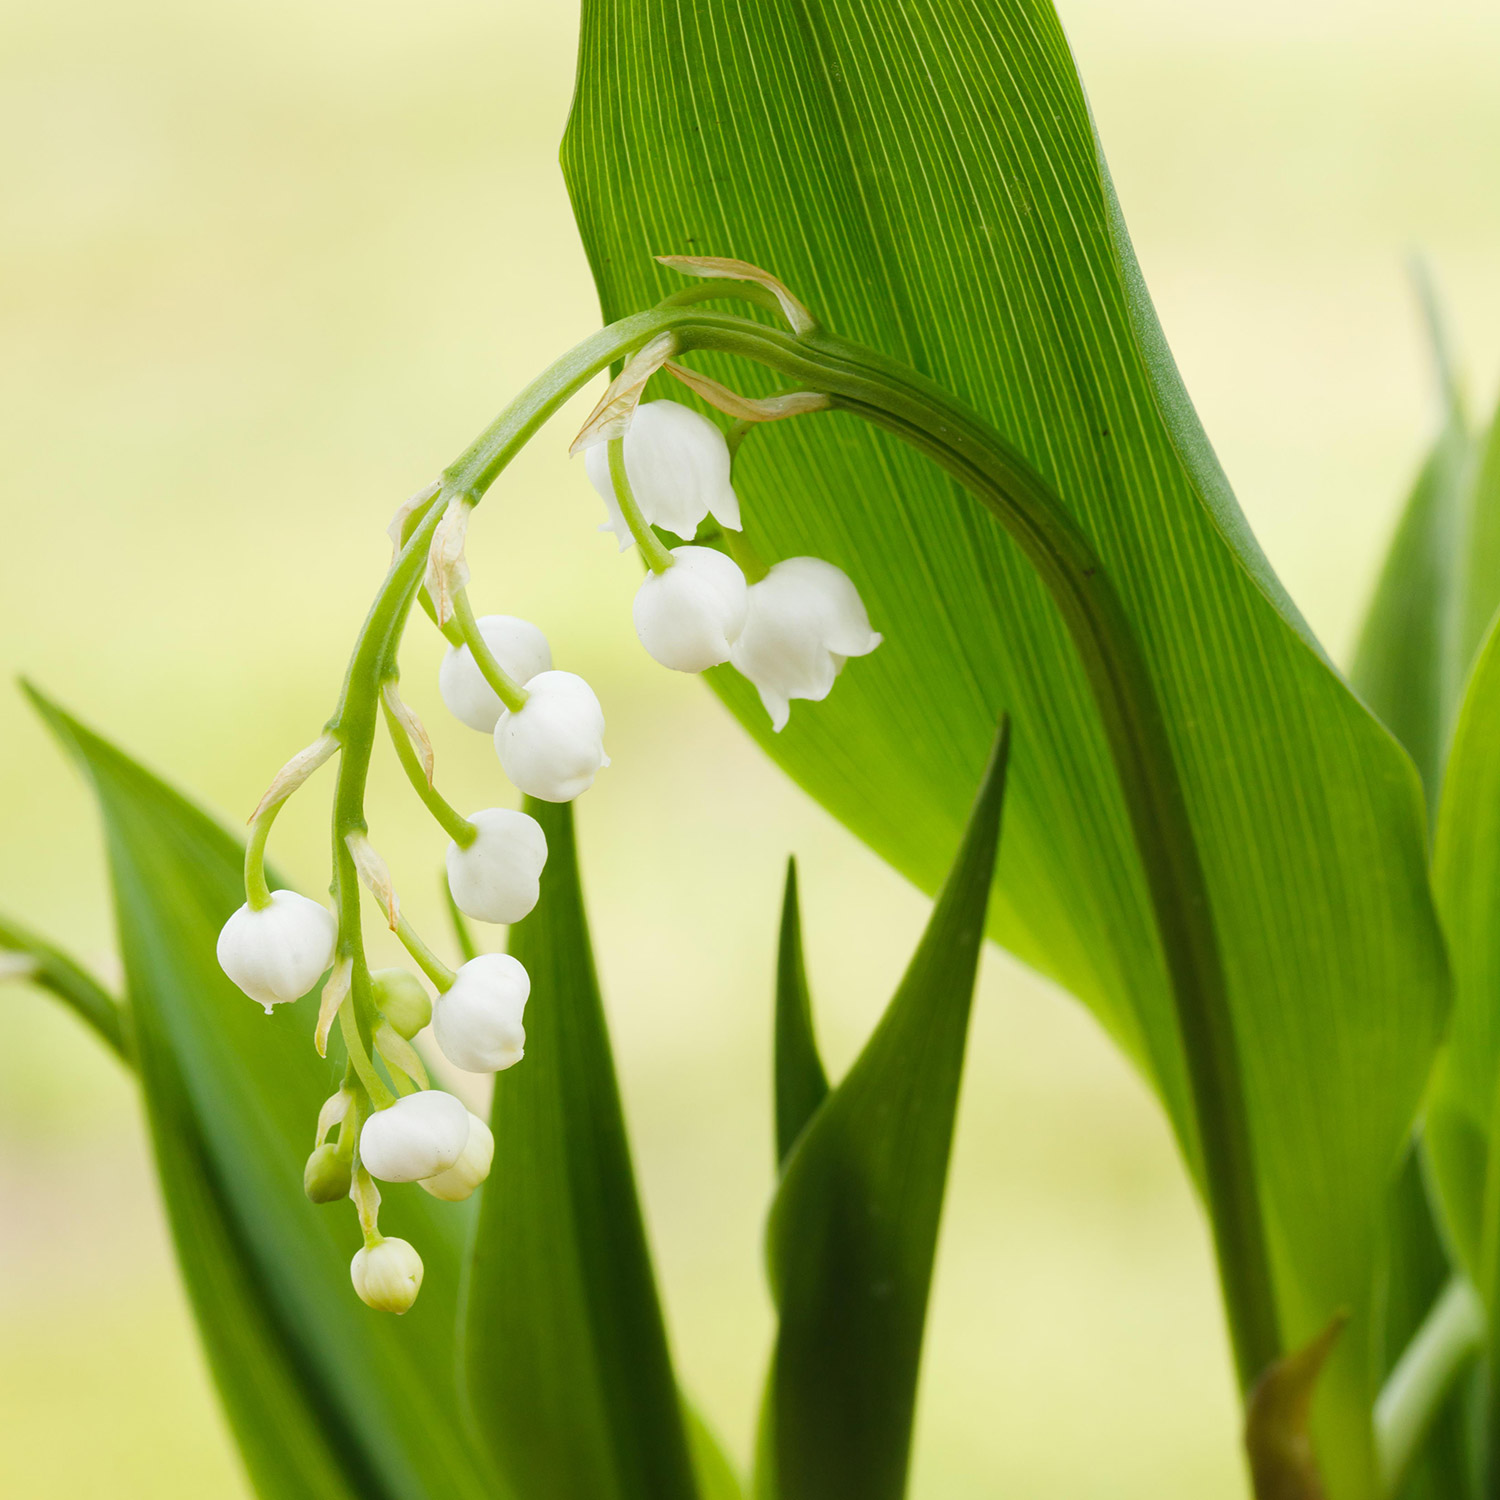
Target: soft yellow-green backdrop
x,y
263,268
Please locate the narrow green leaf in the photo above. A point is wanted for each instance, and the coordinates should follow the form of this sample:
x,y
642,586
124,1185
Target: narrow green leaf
x,y
1466,878
1417,1273
925,176
1407,664
232,1096
1482,549
72,984
854,1226
801,1083
566,1355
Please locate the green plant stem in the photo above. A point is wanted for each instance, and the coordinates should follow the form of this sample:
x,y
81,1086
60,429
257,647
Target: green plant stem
x,y
905,403
1450,1336
453,823
257,892
507,689
428,961
656,556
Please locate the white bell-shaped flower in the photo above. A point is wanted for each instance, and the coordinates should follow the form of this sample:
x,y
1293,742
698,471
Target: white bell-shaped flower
x,y
678,466
553,745
418,1136
460,1180
278,953
805,620
689,615
477,1020
519,647
387,1275
497,878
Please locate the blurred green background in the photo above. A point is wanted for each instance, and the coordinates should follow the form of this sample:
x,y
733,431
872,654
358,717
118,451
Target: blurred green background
x,y
263,269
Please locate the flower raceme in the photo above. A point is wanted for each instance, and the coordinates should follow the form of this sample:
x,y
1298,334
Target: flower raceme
x,y
278,952
497,878
678,466
805,621
477,1020
689,615
655,464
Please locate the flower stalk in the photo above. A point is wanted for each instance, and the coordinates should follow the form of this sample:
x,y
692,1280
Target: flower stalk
x,y
835,373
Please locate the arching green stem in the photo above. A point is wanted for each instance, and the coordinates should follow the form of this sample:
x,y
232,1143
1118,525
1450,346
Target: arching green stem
x,y
901,401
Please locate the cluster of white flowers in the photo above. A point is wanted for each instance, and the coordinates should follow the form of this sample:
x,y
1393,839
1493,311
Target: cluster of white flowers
x,y
790,632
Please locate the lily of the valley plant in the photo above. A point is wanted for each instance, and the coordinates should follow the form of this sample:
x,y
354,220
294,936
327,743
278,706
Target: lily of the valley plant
x,y
913,476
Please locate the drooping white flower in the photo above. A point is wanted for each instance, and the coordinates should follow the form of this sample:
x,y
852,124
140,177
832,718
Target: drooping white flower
x,y
678,466
688,616
805,620
387,1275
400,998
553,745
519,647
460,1180
418,1136
278,953
477,1020
496,879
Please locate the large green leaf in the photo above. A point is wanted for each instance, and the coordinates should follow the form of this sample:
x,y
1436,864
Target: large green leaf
x,y
568,1370
925,174
328,1397
1466,877
854,1225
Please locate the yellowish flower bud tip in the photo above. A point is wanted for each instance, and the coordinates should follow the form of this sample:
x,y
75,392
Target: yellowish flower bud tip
x,y
387,1275
326,1177
402,1000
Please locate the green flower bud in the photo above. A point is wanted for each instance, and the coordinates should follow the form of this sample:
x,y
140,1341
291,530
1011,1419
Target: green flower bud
x,y
325,1178
402,1000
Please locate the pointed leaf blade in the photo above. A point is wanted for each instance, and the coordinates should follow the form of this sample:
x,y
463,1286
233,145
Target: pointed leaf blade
x,y
801,1083
566,1358
854,1225
384,1389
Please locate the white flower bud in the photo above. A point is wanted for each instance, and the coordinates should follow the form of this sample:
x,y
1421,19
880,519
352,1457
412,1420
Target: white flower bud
x,y
477,1020
805,620
387,1275
497,878
456,1184
277,954
689,616
553,745
678,466
519,647
418,1136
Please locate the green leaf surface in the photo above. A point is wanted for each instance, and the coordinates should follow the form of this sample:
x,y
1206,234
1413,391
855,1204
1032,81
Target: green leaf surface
x,y
1409,663
854,1225
925,175
1466,877
801,1083
328,1397
566,1355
